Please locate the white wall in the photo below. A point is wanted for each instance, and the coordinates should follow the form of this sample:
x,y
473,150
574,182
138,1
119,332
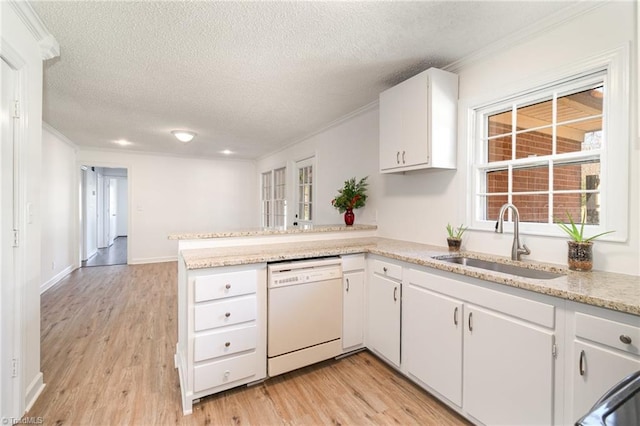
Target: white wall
x,y
346,150
501,74
173,194
417,206
59,198
22,42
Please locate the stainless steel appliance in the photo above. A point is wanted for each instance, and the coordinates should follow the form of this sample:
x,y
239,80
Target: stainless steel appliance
x,y
304,313
620,406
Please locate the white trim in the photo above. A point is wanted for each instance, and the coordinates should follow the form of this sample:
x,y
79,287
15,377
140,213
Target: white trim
x,y
16,61
49,128
33,391
323,129
49,47
527,33
145,260
203,157
57,278
614,216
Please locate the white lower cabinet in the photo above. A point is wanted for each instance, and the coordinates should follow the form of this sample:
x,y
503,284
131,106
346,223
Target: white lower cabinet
x,y
221,329
489,353
383,313
353,286
432,340
605,349
508,369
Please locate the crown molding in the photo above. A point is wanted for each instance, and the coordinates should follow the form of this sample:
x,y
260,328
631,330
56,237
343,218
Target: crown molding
x,y
334,123
137,152
49,47
552,21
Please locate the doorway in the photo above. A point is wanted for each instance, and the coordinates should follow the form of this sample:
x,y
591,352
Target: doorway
x,y
104,216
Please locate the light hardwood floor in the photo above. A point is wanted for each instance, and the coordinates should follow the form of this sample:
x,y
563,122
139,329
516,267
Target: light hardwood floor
x,y
108,339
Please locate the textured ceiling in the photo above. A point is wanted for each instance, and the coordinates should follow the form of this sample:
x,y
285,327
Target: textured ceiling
x,y
250,77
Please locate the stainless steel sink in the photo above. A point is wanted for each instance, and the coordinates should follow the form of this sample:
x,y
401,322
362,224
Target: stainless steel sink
x,y
501,267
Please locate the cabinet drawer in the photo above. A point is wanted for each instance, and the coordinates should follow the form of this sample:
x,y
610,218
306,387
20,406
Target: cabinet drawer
x,y
225,312
387,269
353,262
211,287
221,373
611,333
225,342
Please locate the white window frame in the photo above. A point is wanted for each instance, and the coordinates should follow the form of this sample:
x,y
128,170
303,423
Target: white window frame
x,y
306,162
270,215
614,155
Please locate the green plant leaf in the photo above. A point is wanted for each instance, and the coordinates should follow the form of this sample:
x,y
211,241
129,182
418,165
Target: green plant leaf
x,y
576,234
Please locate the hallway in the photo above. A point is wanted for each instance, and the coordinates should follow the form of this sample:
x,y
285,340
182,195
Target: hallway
x,y
116,254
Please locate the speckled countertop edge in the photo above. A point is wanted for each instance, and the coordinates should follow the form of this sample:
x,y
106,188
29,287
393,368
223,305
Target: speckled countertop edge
x,y
604,289
253,232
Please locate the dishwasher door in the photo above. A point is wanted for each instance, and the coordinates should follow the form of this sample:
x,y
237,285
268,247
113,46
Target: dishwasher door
x,y
304,315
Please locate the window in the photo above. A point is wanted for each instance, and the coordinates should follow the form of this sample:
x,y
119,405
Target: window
x,y
304,191
561,148
274,198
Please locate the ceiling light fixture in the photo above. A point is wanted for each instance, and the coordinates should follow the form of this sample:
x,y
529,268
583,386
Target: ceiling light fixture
x,y
122,142
183,135
226,152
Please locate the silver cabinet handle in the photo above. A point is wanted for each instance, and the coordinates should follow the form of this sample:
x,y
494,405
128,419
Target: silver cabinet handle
x,y
228,286
395,294
625,339
228,314
582,363
227,344
347,285
402,157
455,316
470,323
398,157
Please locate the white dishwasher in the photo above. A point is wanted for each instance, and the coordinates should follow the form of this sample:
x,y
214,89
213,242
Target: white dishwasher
x,y
304,313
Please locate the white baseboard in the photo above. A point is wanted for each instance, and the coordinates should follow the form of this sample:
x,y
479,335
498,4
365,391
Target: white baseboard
x,y
53,281
144,260
33,391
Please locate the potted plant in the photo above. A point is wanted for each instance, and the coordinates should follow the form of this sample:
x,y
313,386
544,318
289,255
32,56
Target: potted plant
x,y
580,255
454,240
352,196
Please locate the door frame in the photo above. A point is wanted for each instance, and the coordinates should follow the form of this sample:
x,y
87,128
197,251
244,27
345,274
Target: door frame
x,y
78,220
16,397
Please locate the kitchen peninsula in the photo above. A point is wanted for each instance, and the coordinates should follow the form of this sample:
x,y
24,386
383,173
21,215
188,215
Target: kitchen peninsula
x,y
550,323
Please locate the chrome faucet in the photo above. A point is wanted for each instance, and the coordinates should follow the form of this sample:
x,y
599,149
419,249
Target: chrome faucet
x,y
516,249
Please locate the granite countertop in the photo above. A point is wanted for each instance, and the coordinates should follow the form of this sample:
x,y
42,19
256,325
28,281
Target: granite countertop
x,y
609,290
252,232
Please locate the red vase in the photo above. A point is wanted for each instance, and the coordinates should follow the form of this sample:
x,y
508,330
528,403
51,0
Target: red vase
x,y
349,217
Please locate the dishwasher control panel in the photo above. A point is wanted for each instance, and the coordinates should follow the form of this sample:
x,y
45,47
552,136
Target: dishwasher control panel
x,y
304,271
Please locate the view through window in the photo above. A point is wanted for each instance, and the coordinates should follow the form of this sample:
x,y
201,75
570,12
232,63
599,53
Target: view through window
x,y
542,153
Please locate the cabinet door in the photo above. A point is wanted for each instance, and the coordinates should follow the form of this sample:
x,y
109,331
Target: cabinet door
x,y
432,340
384,318
391,130
404,124
353,310
595,371
415,120
508,367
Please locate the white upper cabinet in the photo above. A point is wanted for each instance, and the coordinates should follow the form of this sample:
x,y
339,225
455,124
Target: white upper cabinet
x,y
418,123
